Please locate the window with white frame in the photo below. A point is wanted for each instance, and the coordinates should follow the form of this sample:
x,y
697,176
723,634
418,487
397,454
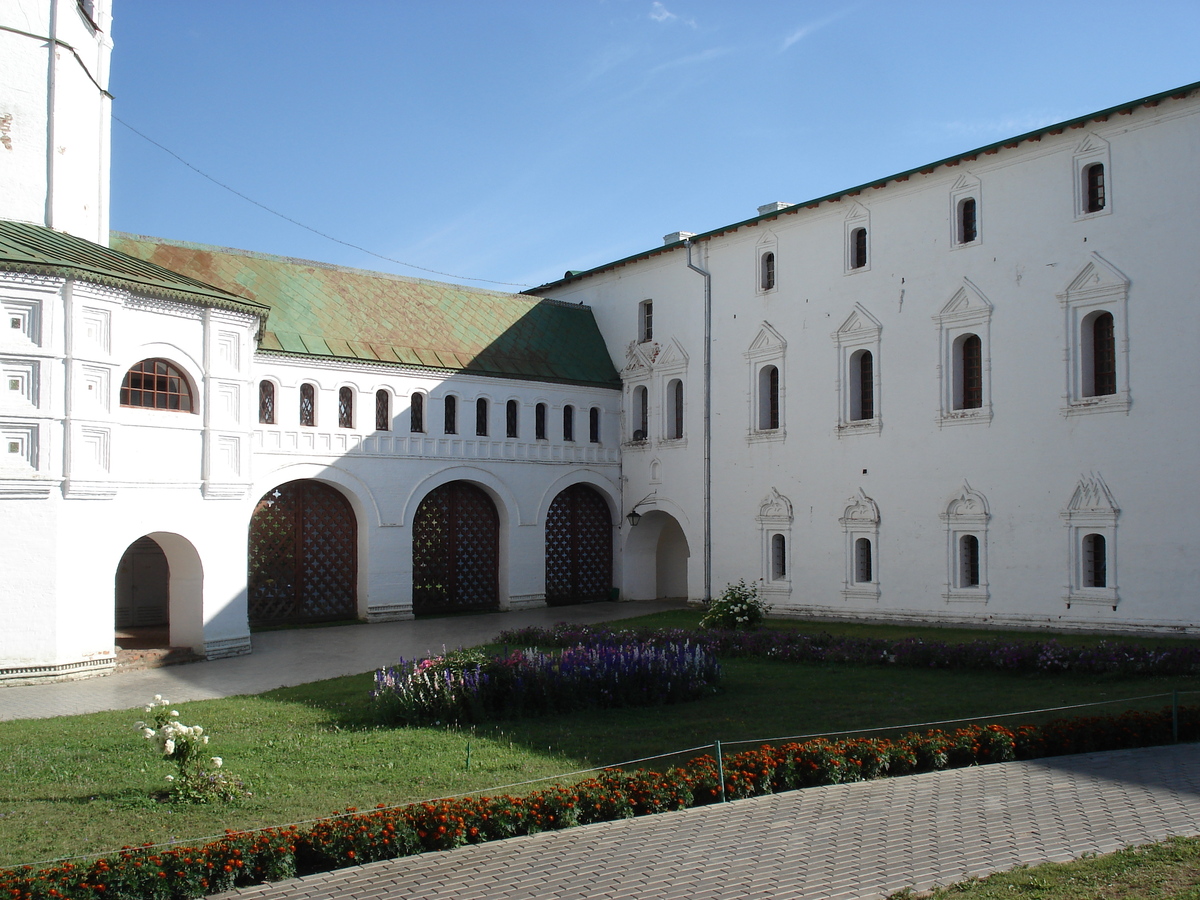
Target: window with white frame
x,y
481,417
1092,166
964,366
1091,521
674,409
511,418
450,416
308,404
383,410
539,422
568,431
766,358
775,531
858,379
416,413
645,321
345,407
860,524
266,402
966,519
1097,349
857,225
765,255
594,425
965,212
640,421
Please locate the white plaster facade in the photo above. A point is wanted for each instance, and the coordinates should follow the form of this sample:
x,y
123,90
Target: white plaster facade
x,y
924,470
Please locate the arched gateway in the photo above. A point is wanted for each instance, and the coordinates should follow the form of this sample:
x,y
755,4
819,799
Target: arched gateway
x,y
579,546
456,550
303,555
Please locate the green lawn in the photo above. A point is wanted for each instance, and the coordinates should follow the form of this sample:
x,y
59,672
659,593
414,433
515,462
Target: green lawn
x,y
82,784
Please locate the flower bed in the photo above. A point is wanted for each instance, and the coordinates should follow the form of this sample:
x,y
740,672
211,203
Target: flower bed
x,y
1106,657
467,686
358,837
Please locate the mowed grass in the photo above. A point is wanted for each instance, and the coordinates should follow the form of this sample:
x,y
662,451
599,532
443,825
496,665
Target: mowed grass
x,y
84,784
1170,869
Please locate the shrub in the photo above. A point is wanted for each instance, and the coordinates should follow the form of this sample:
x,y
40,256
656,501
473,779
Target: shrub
x,y
467,687
738,607
195,780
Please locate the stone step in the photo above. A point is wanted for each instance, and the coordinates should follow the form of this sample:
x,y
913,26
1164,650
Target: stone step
x,y
134,659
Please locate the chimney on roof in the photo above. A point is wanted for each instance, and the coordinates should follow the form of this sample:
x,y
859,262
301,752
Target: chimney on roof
x,y
676,236
773,207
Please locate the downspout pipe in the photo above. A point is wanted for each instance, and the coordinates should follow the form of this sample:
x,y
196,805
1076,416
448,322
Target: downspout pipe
x,y
51,79
707,420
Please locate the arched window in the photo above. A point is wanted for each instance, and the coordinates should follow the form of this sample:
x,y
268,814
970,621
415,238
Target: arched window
x,y
862,386
778,557
1104,355
968,561
766,276
308,404
568,423
862,561
641,413
266,403
1095,561
510,418
675,409
594,425
1093,188
345,408
481,417
970,373
450,421
383,410
768,398
539,422
416,413
967,227
157,384
858,248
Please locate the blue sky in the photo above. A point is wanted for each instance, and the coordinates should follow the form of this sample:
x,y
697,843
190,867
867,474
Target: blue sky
x,y
511,141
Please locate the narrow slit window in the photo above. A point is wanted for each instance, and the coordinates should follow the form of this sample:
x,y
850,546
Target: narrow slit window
x,y
971,364
968,562
539,422
510,418
778,557
767,272
1104,356
862,379
594,425
383,410
676,411
568,423
863,569
1094,188
345,408
481,417
308,405
450,420
967,227
416,413
641,408
266,402
1095,561
858,248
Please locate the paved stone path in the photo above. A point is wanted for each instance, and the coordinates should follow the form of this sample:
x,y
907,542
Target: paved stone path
x,y
296,656
835,843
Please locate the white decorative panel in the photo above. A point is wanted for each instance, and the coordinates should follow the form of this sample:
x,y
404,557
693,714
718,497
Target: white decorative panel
x,y
229,456
22,322
18,446
229,402
95,392
18,383
229,350
93,451
96,328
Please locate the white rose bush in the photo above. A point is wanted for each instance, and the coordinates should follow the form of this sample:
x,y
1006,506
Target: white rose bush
x,y
197,779
738,607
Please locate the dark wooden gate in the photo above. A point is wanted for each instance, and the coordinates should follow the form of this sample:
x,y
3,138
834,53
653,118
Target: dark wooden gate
x,y
303,555
456,550
579,547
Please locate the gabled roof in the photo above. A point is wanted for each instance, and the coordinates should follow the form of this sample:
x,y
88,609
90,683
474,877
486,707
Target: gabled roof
x,y
37,250
1103,115
325,311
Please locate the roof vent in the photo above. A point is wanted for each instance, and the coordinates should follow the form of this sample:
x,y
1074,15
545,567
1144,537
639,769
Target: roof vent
x,y
773,207
676,236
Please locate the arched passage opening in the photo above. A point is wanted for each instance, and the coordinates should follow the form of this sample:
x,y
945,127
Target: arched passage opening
x,y
656,558
579,547
158,593
303,556
456,550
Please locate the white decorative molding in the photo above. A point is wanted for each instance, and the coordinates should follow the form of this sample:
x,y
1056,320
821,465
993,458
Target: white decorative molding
x,y
96,394
1092,149
965,516
96,329
22,321
229,349
227,647
164,307
19,384
93,453
526,601
860,332
860,521
390,612
965,188
769,348
229,402
775,538
86,668
18,446
1099,287
1091,511
80,489
857,217
217,490
775,508
25,488
967,312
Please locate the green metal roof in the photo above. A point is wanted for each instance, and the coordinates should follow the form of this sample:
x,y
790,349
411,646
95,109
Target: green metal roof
x,y
320,310
37,250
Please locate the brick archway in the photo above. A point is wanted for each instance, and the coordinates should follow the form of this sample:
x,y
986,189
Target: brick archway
x,y
303,555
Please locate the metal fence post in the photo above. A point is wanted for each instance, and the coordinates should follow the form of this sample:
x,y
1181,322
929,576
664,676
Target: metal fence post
x,y
1175,716
720,769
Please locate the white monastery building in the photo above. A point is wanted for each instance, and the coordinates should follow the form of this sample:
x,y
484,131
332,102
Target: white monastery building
x,y
945,396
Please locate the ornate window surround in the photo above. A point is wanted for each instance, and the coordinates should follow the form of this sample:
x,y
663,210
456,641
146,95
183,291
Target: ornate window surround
x,y
966,514
1099,287
967,312
767,349
775,518
860,520
1091,510
860,331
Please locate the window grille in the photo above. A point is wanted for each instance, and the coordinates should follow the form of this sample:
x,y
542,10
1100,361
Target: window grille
x,y
383,411
968,230
865,374
1104,356
345,408
646,321
156,384
539,422
308,405
594,425
972,372
862,561
1094,175
481,417
568,423
968,567
1095,561
677,409
767,278
266,403
451,416
778,564
858,252
416,413
510,418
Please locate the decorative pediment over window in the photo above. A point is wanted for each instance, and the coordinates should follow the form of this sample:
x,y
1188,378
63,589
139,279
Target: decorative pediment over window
x,y
671,358
1099,276
768,342
859,324
1092,143
967,303
639,359
967,506
775,506
1092,496
861,510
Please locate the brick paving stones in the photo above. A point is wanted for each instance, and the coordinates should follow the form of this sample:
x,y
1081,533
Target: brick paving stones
x,y
852,841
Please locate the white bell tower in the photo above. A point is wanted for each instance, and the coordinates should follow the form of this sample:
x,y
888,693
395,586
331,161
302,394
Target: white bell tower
x,y
55,113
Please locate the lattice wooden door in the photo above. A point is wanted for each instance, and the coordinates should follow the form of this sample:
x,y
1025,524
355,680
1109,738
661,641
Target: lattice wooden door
x,y
456,550
579,549
303,555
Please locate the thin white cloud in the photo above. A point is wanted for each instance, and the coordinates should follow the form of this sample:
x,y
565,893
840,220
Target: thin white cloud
x,y
693,59
1002,126
805,30
660,13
